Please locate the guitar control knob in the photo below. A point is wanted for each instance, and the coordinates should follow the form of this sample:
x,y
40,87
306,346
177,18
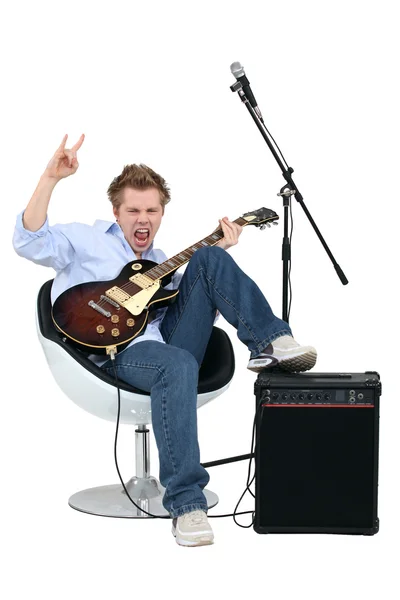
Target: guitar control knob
x,y
115,319
130,322
100,329
115,332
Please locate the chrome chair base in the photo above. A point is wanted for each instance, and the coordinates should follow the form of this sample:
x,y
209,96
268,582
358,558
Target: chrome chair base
x,y
112,501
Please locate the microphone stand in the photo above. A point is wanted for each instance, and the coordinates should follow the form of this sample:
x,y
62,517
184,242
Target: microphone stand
x,y
288,190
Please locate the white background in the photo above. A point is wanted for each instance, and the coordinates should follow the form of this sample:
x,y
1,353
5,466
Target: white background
x,y
149,82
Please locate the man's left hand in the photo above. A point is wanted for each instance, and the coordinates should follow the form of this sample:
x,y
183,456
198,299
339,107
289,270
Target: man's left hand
x,y
231,233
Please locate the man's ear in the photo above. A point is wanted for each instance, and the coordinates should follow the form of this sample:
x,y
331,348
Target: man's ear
x,y
115,211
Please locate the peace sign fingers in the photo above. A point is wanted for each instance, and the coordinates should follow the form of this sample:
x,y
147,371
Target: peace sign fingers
x,y
74,148
60,149
64,162
78,144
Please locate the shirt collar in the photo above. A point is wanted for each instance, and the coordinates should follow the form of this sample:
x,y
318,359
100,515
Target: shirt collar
x,y
105,226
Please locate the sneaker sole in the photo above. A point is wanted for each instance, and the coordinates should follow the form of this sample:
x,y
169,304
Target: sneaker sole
x,y
305,362
293,364
200,542
197,541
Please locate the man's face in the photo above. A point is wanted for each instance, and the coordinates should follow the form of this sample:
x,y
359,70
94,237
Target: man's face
x,y
140,210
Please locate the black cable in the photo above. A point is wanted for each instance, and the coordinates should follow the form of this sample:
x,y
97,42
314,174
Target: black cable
x,y
169,517
290,262
248,483
115,446
270,135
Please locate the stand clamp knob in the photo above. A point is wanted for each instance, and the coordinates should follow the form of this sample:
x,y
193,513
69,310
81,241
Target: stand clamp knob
x,y
286,192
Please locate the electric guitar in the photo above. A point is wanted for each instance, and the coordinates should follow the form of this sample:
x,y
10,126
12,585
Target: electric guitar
x,y
103,315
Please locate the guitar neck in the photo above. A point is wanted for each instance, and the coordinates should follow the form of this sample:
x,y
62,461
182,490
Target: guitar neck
x,y
173,263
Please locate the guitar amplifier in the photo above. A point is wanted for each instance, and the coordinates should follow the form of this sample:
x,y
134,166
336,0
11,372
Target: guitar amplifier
x,y
316,453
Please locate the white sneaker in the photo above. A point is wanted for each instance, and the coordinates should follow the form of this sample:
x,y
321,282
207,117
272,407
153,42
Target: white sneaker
x,y
287,354
192,529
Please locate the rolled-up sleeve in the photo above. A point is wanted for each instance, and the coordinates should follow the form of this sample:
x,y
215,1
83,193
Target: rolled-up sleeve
x,y
48,246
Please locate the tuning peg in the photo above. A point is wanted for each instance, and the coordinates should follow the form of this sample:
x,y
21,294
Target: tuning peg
x,y
262,226
275,223
268,224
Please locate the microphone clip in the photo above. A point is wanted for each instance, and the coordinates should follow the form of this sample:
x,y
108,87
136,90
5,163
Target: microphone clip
x,y
238,87
235,87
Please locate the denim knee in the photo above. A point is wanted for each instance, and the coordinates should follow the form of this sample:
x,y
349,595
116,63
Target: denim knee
x,y
204,254
180,360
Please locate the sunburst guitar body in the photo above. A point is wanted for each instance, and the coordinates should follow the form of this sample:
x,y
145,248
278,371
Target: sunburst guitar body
x,y
96,315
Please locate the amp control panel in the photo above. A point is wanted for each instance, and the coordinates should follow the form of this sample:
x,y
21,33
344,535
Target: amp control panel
x,y
321,396
332,389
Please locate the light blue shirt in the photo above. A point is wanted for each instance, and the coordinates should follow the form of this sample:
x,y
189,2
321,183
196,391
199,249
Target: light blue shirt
x,y
81,253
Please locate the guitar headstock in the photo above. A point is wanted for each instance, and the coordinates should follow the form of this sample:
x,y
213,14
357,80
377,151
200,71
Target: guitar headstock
x,y
260,216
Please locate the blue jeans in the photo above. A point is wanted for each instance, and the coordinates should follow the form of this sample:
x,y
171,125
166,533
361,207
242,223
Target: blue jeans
x,y
212,280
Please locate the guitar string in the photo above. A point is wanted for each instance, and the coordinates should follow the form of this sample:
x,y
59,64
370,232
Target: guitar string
x,y
218,232
187,254
128,284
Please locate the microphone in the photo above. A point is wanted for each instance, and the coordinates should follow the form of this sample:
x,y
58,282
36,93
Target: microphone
x,y
238,71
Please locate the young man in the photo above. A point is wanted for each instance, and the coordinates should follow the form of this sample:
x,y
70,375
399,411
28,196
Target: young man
x,y
165,359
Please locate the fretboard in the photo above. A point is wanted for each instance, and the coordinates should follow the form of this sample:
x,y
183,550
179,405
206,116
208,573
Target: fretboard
x,y
173,263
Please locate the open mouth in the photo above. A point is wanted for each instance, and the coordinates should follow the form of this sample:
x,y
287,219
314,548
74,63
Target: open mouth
x,y
141,236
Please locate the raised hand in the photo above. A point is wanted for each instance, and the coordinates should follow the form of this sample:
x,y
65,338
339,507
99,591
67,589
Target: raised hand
x,y
64,162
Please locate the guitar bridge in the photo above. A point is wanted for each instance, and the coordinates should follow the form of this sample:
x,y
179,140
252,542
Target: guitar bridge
x,y
109,301
99,309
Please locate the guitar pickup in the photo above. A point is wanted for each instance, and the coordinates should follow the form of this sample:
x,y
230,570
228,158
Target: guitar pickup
x,y
117,294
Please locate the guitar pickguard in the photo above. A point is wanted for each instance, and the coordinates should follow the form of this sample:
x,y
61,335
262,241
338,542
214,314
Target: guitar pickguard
x,y
137,303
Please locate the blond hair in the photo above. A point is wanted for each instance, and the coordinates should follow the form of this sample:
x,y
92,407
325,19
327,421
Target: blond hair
x,y
138,177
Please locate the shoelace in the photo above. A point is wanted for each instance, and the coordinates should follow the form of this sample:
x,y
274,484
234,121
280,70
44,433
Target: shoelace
x,y
195,517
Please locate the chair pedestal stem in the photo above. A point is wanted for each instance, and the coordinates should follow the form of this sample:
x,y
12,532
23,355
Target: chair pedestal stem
x,y
142,451
143,488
